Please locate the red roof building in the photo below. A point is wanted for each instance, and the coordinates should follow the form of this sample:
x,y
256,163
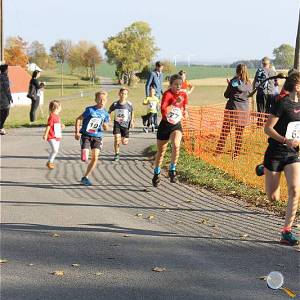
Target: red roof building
x,y
19,80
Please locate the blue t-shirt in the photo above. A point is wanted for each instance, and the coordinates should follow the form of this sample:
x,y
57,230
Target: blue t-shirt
x,y
93,119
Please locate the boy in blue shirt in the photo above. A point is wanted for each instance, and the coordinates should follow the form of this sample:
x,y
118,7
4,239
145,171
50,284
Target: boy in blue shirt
x,y
89,128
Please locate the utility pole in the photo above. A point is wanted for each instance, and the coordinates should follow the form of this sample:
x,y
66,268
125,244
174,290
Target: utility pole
x,y
1,33
297,47
62,77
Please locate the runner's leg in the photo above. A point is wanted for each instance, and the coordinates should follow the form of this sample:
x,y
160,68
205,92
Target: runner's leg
x,y
54,144
292,174
93,162
175,138
272,185
117,143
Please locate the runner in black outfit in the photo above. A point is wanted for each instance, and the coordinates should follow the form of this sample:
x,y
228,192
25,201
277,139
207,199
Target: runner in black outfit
x,y
282,154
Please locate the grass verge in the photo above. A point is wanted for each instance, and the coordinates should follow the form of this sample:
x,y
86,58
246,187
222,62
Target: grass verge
x,y
195,171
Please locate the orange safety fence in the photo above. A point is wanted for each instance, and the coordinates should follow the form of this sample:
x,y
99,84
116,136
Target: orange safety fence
x,y
233,141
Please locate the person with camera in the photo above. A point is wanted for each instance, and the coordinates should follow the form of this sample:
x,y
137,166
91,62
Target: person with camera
x,y
34,93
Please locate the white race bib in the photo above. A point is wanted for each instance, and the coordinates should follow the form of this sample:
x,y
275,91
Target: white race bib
x,y
174,116
57,130
152,105
293,130
121,115
93,125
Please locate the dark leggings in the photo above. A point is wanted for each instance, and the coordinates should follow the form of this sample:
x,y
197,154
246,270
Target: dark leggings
x,y
3,116
33,109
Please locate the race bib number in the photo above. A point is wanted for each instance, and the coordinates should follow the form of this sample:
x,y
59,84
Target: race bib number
x,y
121,116
152,105
174,116
293,130
57,130
93,125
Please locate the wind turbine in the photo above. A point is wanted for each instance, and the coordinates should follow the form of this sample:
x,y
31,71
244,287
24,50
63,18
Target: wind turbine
x,y
189,58
175,58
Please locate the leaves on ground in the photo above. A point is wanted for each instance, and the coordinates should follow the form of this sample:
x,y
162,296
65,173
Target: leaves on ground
x,y
58,273
75,265
203,221
126,235
188,201
243,235
139,215
55,235
159,269
163,204
151,217
289,292
3,261
262,277
99,273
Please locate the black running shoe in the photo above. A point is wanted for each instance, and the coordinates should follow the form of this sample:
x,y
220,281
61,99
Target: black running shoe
x,y
156,180
173,176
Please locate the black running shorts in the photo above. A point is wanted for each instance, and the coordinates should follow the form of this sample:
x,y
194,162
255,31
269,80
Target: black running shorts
x,y
88,142
165,129
276,161
123,131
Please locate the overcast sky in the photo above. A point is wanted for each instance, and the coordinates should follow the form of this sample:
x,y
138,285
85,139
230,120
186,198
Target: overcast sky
x,y
210,31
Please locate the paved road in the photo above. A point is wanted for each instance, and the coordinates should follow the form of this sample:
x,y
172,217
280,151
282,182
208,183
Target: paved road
x,y
97,227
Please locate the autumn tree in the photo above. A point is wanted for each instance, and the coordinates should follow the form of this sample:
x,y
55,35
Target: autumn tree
x,y
37,54
131,49
60,51
76,57
92,57
284,56
85,55
15,52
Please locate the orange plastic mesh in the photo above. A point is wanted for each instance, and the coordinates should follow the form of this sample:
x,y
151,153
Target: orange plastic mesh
x,y
233,141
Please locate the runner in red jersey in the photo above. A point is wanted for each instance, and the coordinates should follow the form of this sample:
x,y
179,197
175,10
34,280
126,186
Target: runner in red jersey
x,y
173,110
52,133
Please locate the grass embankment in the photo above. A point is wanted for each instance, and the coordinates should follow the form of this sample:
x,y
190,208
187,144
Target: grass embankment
x,y
195,171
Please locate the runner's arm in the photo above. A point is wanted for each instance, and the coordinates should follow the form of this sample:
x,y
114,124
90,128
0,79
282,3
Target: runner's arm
x,y
132,120
271,132
45,136
77,127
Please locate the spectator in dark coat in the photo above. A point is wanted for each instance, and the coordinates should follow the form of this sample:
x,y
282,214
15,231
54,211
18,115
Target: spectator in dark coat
x,y
34,94
5,97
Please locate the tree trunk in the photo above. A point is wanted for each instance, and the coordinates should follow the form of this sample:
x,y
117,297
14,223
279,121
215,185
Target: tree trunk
x,y
297,48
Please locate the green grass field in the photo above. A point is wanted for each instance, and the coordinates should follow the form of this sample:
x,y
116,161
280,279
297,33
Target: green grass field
x,y
19,116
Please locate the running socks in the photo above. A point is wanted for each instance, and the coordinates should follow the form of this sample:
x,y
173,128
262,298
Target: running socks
x,y
172,167
286,229
157,170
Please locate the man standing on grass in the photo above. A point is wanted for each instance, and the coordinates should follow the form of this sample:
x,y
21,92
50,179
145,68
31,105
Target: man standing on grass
x,y
265,92
155,80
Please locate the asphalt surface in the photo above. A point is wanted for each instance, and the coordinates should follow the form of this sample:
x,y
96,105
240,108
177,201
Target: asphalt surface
x,y
211,247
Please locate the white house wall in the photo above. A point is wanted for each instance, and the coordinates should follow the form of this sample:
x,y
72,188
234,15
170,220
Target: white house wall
x,y
21,99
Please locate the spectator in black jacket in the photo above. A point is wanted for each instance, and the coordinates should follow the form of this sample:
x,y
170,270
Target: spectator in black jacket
x,y
34,94
5,97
